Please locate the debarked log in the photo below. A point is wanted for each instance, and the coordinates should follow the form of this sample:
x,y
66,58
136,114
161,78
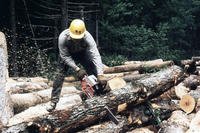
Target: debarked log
x,y
134,67
23,101
25,87
94,109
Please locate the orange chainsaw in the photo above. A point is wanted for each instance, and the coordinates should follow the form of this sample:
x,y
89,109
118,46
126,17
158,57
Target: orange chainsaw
x,y
90,87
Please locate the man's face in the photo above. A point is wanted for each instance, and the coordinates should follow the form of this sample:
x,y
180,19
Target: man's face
x,y
76,40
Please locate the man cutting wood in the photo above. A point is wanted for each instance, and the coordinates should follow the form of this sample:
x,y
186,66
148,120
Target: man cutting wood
x,y
76,45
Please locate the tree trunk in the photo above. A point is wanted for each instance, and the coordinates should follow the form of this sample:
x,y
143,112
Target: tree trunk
x,y
94,109
14,33
64,21
5,103
134,67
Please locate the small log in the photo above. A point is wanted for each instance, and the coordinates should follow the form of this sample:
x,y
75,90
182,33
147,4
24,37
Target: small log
x,y
86,114
122,74
24,101
187,103
134,67
5,103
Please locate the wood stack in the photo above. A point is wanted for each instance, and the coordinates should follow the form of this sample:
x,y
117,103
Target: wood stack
x,y
146,96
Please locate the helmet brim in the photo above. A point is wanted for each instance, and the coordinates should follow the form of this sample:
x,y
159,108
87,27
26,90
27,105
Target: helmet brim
x,y
76,36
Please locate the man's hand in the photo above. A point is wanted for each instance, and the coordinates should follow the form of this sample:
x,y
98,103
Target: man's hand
x,y
102,80
81,73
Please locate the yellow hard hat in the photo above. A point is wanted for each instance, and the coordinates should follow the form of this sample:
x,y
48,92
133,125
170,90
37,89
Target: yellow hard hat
x,y
77,29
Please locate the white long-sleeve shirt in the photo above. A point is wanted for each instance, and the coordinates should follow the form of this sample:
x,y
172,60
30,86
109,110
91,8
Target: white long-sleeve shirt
x,y
66,47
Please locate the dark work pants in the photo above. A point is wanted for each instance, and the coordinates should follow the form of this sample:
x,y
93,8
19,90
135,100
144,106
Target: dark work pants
x,y
81,58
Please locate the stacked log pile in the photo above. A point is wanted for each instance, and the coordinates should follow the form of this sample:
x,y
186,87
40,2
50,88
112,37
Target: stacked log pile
x,y
145,96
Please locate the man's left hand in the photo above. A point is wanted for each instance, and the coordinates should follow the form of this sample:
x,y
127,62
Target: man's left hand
x,y
102,79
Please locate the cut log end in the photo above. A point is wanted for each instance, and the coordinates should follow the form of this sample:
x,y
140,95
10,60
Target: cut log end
x,y
187,103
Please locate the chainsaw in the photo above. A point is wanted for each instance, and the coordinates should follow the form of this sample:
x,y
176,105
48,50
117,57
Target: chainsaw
x,y
90,87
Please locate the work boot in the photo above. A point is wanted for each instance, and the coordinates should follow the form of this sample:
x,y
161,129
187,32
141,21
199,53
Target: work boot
x,y
51,107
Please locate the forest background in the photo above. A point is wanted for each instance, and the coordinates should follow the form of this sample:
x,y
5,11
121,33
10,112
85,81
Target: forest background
x,y
123,29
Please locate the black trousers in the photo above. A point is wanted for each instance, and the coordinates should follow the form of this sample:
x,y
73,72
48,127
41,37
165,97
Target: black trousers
x,y
83,59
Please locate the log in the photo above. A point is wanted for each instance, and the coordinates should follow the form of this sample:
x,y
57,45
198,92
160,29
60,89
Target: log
x,y
32,79
187,103
65,103
111,75
181,90
115,83
192,82
129,78
196,58
188,85
177,123
5,103
151,62
194,126
25,87
133,118
23,101
70,79
134,67
85,114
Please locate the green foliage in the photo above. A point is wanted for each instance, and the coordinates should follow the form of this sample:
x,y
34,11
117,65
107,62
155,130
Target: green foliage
x,y
150,29
113,60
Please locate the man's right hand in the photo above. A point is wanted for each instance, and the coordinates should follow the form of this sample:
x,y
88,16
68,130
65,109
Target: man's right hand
x,y
81,73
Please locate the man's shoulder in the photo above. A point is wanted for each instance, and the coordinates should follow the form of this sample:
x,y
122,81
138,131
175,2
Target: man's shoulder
x,y
64,34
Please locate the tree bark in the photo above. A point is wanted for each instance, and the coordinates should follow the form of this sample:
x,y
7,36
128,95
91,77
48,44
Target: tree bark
x,y
94,109
6,109
134,67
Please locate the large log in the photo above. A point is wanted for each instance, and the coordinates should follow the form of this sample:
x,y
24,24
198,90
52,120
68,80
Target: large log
x,y
65,103
177,123
6,110
135,117
134,67
94,109
23,101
